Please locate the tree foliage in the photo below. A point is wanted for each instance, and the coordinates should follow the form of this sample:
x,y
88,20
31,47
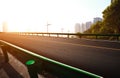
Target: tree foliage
x,y
111,17
95,28
111,21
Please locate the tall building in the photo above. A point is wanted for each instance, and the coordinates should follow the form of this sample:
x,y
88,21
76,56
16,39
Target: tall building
x,y
88,24
77,27
83,27
5,27
97,19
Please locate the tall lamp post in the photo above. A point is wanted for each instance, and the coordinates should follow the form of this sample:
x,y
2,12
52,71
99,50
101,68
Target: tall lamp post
x,y
47,26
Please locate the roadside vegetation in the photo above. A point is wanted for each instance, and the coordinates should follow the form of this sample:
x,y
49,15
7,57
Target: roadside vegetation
x,y
110,23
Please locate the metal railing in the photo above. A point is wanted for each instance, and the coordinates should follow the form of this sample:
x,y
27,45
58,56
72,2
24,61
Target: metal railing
x,y
68,35
37,63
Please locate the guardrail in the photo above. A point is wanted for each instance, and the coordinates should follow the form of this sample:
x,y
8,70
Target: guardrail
x,y
37,63
116,36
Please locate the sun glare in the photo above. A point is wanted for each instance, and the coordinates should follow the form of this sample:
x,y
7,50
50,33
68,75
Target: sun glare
x,y
33,15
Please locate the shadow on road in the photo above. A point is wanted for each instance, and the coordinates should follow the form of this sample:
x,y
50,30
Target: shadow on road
x,y
11,72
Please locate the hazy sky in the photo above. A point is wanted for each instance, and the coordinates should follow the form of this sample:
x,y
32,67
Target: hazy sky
x,y
33,15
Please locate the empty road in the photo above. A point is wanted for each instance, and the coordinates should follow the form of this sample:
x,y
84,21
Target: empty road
x,y
95,56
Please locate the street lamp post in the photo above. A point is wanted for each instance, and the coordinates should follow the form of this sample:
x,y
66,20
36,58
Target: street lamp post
x,y
47,26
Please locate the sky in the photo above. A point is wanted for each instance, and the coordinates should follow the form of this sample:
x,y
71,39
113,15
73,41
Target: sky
x,y
33,15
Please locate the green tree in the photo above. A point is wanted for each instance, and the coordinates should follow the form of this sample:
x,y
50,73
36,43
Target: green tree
x,y
111,17
95,28
111,21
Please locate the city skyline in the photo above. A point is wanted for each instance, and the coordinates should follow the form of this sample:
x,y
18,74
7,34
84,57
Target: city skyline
x,y
81,27
32,15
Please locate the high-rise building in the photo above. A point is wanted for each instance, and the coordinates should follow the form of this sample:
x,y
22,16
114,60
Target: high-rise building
x,y
88,24
97,19
5,27
77,27
83,27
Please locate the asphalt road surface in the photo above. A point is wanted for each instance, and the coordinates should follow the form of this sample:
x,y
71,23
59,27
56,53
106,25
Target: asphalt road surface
x,y
98,57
